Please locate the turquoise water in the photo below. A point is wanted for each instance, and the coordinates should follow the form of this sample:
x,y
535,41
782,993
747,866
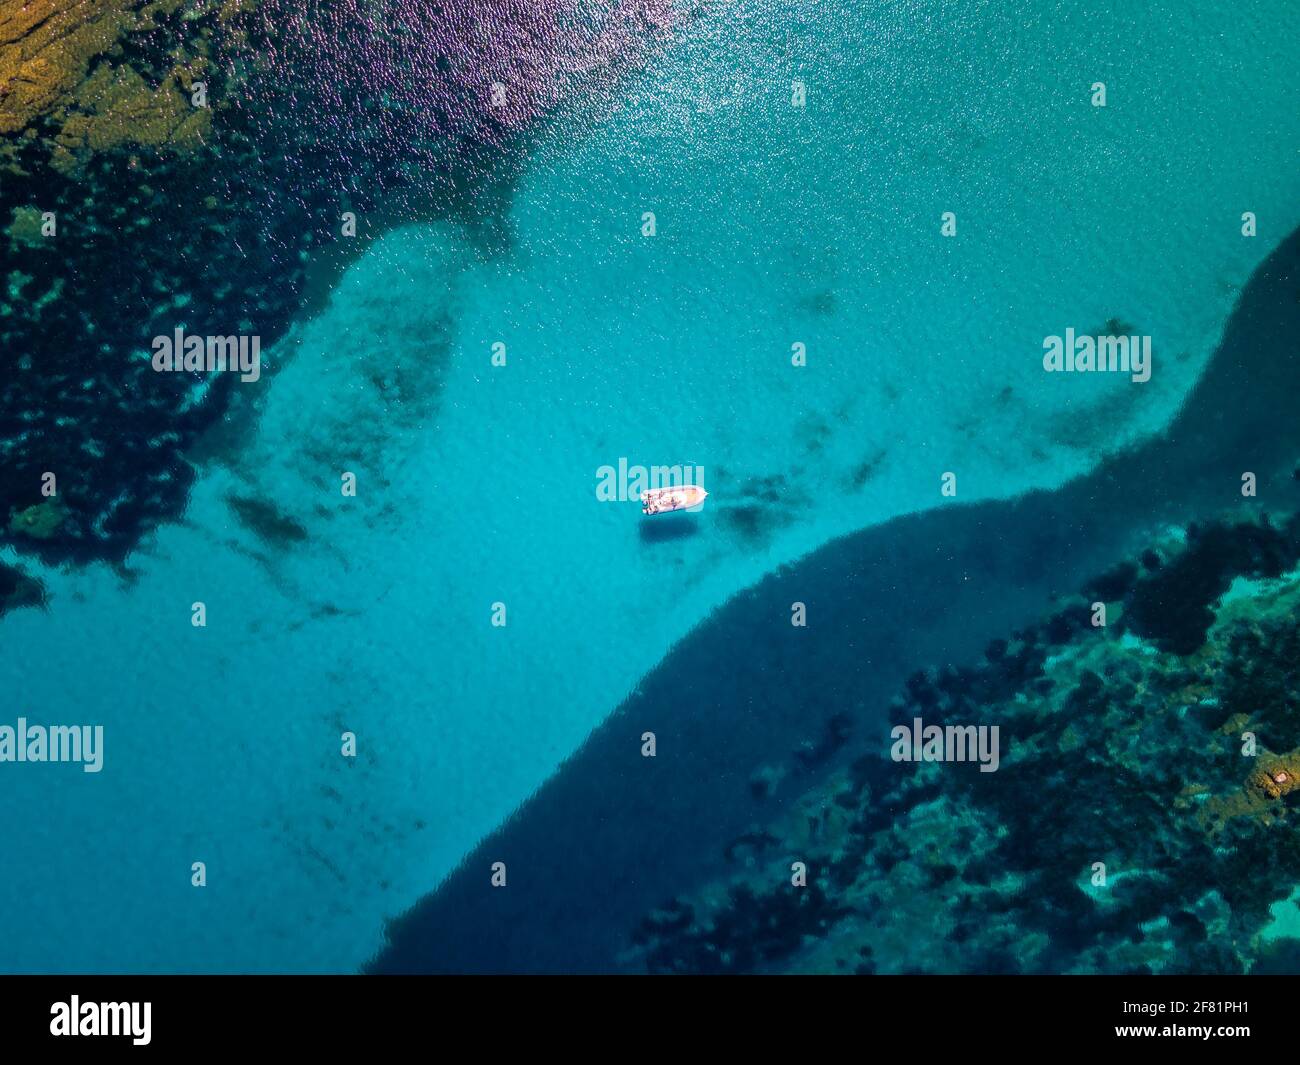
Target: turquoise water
x,y
476,483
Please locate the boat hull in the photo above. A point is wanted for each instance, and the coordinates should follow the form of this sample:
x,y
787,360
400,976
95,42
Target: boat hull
x,y
668,500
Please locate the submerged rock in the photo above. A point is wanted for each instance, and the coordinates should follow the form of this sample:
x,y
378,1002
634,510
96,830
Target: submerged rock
x,y
40,521
267,521
18,590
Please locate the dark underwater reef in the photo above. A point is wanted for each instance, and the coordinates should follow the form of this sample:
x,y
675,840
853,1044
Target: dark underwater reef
x,y
1110,754
217,218
751,714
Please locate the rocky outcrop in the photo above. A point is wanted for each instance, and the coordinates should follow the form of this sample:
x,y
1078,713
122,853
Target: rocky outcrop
x,y
172,164
111,219
71,83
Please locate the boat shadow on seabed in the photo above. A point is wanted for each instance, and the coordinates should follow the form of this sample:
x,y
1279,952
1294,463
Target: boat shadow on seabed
x,y
666,527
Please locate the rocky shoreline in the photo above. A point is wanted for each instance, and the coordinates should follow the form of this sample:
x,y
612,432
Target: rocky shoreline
x,y
1142,819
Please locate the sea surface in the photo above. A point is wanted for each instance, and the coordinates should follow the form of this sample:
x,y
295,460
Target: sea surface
x,y
774,226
